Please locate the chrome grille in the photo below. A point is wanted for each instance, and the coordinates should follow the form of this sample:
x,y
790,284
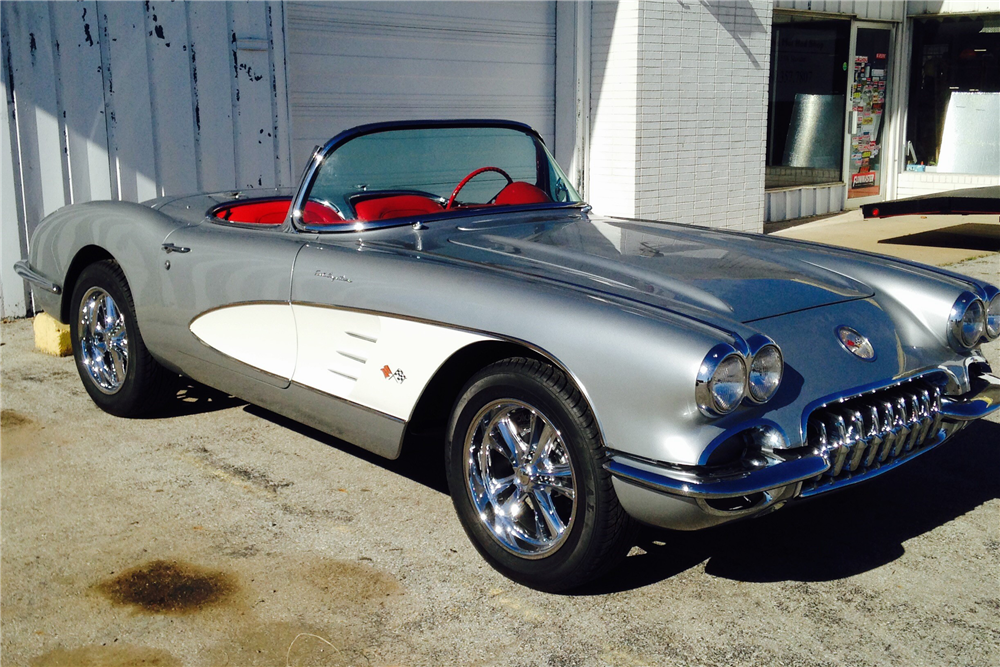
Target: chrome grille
x,y
863,433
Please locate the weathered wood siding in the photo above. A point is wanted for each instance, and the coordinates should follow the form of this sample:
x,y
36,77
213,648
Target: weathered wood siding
x,y
128,100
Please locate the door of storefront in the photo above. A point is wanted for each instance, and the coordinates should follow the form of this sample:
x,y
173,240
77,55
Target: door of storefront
x,y
869,82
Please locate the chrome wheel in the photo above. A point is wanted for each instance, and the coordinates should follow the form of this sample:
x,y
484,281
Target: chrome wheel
x,y
520,478
103,340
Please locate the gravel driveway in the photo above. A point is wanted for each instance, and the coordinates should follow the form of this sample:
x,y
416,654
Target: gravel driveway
x,y
219,533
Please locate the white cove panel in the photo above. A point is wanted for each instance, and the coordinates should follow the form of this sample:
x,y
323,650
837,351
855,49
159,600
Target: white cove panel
x,y
260,335
379,362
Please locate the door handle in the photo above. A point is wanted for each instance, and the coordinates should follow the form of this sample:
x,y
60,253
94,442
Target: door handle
x,y
170,247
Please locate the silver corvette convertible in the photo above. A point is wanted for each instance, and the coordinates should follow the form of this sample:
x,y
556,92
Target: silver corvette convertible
x,y
589,374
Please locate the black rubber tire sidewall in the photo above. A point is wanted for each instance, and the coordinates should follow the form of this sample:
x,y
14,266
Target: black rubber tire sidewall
x,y
143,377
579,559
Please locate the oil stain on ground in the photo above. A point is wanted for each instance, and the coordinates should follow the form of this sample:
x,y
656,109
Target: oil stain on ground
x,y
106,656
168,587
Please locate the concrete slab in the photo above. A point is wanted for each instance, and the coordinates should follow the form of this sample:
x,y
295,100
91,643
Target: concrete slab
x,y
851,230
265,543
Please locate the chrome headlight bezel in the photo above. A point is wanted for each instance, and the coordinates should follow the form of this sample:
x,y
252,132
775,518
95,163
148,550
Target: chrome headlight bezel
x,y
959,337
992,302
762,348
719,358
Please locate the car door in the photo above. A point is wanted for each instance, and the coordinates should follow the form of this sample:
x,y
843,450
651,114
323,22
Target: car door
x,y
224,303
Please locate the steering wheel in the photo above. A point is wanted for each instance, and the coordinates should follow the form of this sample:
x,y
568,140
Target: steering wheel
x,y
473,175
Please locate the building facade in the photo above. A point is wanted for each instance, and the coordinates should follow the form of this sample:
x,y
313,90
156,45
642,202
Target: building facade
x,y
872,100
726,113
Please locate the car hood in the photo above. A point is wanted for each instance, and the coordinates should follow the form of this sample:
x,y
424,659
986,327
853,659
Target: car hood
x,y
740,277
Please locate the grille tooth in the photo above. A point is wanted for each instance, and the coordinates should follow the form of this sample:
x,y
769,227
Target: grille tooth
x,y
915,421
862,433
901,426
926,419
888,433
873,434
837,433
935,410
855,438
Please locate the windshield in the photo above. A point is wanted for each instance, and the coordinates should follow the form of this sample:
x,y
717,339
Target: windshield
x,y
402,173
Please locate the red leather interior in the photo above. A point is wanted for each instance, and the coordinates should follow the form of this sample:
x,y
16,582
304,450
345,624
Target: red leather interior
x,y
398,206
318,214
520,192
273,212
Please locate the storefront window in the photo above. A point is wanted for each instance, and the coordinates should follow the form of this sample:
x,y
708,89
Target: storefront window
x,y
805,121
954,108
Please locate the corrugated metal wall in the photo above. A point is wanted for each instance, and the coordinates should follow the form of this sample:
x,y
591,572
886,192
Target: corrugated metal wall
x,y
876,10
351,63
128,100
918,7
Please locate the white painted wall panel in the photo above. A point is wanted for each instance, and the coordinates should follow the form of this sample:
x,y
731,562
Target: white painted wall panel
x,y
212,76
127,95
83,102
354,63
132,101
255,158
170,97
30,49
12,292
803,202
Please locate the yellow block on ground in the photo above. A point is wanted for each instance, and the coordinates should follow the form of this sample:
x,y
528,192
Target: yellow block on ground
x,y
52,336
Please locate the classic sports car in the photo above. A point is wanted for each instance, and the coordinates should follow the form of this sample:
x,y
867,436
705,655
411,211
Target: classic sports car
x,y
588,373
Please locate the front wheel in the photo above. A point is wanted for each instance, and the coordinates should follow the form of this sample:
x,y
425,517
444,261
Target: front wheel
x,y
114,364
524,467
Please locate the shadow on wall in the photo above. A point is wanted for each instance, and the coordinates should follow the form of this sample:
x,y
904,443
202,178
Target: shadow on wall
x,y
739,19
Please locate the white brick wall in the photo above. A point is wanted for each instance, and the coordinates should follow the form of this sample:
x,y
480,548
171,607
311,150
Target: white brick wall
x,y
678,111
614,59
703,80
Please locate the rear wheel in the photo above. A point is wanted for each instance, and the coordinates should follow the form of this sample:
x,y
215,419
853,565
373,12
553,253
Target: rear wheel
x,y
524,467
114,364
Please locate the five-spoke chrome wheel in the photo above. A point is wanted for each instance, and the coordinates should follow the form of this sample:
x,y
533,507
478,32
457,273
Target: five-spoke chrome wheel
x,y
520,478
103,340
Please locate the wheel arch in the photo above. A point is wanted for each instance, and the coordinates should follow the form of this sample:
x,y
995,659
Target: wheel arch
x,y
437,399
87,255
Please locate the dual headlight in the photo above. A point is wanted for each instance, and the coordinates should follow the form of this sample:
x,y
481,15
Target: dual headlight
x,y
727,376
972,319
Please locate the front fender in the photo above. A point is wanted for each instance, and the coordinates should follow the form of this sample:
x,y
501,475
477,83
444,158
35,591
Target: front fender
x,y
130,233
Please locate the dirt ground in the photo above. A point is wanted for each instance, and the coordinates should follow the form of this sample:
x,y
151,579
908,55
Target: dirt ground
x,y
220,534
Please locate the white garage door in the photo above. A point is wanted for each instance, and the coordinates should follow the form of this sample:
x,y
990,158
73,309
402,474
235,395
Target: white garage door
x,y
350,64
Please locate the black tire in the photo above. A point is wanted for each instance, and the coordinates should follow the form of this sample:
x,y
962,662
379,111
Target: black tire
x,y
143,384
597,533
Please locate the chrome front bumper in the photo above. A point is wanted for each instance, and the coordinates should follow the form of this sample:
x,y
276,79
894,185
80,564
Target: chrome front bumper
x,y
903,421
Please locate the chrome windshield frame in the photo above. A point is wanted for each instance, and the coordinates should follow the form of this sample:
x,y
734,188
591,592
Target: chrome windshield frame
x,y
294,222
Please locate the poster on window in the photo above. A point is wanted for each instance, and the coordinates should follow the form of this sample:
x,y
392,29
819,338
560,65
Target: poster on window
x,y
868,90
